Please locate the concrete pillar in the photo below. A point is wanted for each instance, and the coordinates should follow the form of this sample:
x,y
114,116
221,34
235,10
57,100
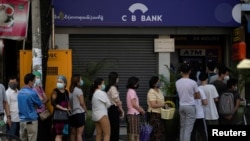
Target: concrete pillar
x,y
36,36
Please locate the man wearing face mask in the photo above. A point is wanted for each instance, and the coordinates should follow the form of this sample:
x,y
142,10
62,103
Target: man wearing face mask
x,y
221,82
11,94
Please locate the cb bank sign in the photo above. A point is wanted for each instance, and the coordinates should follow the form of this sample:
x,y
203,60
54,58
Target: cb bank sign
x,y
122,13
142,8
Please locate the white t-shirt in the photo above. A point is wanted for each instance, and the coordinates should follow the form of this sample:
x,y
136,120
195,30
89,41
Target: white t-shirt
x,y
100,104
13,104
186,89
198,105
210,109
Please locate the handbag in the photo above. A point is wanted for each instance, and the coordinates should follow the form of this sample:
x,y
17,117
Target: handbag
x,y
45,114
60,115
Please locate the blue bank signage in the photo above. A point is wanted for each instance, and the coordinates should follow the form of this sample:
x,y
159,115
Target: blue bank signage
x,y
131,13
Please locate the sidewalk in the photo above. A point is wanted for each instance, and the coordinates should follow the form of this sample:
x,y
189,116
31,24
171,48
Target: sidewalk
x,y
123,136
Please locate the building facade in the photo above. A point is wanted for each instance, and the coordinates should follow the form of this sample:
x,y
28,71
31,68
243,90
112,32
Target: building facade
x,y
124,33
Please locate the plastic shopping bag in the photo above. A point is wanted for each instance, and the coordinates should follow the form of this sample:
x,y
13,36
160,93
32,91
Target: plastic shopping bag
x,y
145,131
66,129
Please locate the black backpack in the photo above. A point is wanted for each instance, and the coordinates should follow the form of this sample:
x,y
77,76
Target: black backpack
x,y
226,103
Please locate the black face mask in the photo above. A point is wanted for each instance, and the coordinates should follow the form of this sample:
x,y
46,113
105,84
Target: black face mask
x,y
137,86
13,86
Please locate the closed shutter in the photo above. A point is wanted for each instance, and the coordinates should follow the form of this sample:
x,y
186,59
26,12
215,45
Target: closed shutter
x,y
126,55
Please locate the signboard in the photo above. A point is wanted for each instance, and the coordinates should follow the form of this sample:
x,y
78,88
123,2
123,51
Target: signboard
x,y
164,45
239,34
170,13
192,52
239,51
14,19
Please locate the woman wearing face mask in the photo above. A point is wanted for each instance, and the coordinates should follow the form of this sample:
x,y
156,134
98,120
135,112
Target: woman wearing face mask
x,y
100,104
115,111
78,108
59,100
133,109
155,101
43,125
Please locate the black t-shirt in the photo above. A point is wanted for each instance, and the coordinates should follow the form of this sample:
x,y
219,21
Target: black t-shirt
x,y
220,86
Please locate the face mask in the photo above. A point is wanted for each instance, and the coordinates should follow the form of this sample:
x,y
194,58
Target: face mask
x,y
117,80
137,86
103,87
158,85
60,85
215,71
235,88
37,82
13,86
81,82
226,78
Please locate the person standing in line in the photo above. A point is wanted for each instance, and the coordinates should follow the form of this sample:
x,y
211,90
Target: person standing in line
x,y
231,119
59,100
100,104
134,109
28,101
43,125
4,109
211,69
115,111
200,125
155,101
11,94
221,82
188,91
78,108
217,70
211,112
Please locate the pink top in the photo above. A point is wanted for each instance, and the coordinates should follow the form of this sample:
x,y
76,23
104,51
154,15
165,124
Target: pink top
x,y
39,90
131,94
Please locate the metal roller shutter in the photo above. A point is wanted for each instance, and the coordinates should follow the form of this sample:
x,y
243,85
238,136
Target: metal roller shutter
x,y
127,55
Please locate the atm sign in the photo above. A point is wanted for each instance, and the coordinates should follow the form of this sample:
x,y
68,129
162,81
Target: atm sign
x,y
192,52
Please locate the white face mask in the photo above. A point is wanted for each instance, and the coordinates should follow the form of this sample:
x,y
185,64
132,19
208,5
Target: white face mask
x,y
235,88
226,78
60,85
215,71
38,81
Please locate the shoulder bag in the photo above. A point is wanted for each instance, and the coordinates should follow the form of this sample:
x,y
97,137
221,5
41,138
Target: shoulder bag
x,y
61,115
45,114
